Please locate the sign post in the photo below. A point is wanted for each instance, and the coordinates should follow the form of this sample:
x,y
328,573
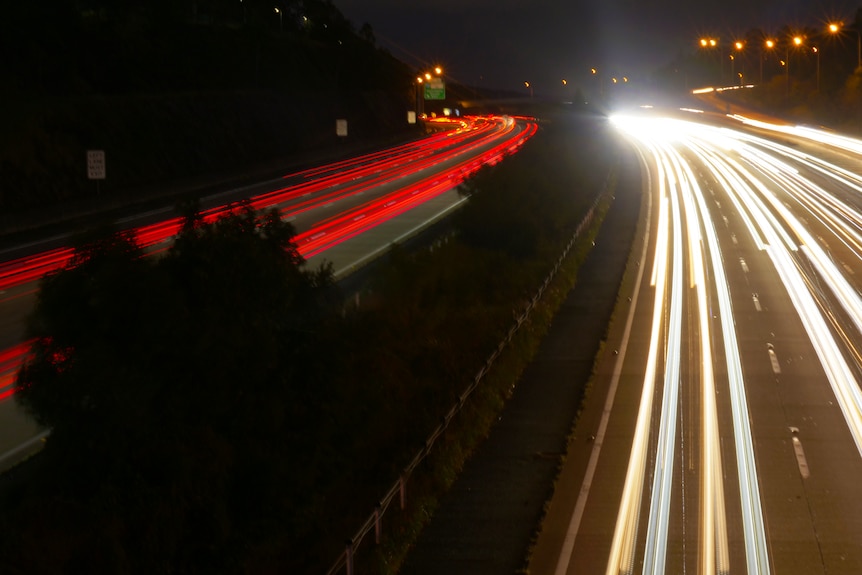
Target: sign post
x,y
96,166
341,128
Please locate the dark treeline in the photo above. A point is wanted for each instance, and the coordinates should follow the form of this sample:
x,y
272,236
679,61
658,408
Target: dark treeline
x,y
219,410
171,90
816,78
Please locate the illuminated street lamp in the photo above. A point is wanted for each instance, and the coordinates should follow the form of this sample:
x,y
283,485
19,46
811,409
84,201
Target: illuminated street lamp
x,y
420,108
836,28
797,41
528,85
599,80
280,18
738,46
420,80
768,45
712,43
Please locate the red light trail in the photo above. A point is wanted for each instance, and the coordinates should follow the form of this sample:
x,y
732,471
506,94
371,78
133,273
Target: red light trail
x,y
460,148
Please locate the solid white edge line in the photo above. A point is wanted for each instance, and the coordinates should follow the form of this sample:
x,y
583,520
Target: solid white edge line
x,y
575,522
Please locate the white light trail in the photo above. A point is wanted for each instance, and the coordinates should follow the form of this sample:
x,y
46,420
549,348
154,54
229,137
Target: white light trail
x,y
767,187
623,544
657,524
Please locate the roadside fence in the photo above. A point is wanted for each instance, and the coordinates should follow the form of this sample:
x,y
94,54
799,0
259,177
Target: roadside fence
x,y
399,488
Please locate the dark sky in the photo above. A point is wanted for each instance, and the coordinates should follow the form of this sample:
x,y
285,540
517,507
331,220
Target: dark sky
x,y
503,43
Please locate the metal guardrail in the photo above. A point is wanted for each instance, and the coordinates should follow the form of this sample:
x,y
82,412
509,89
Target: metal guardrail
x,y
17,454
399,488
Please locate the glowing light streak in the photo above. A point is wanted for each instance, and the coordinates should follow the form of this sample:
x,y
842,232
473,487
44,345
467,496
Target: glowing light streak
x,y
752,513
623,545
655,552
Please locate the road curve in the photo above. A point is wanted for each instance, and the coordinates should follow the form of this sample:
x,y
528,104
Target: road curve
x,y
346,213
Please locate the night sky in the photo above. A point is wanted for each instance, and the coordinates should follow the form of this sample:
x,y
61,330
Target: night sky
x,y
503,43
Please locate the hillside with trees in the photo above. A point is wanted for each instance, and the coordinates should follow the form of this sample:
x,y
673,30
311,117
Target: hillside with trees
x,y
175,89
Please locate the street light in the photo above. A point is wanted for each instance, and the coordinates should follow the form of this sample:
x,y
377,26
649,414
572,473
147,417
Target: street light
x,y
280,18
838,27
712,43
420,80
817,51
527,85
797,41
600,80
738,46
769,45
420,108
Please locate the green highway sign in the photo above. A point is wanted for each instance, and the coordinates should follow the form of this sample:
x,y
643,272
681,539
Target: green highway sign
x,y
435,89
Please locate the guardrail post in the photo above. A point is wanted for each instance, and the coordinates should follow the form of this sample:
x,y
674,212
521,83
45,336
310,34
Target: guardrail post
x,y
402,488
348,554
378,527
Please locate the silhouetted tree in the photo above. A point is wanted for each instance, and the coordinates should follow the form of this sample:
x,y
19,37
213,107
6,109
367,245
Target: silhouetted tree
x,y
167,380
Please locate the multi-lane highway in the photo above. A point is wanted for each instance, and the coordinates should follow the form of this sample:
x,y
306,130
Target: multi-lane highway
x,y
345,213
724,432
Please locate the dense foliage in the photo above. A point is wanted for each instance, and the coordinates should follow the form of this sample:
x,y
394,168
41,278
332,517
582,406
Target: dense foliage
x,y
218,409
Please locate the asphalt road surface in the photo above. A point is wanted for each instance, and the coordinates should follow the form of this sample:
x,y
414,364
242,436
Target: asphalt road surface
x,y
723,436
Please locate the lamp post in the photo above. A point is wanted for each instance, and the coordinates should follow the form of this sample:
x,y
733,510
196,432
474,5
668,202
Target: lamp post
x,y
280,18
836,28
528,85
733,68
817,52
769,45
797,41
738,46
420,107
599,80
711,43
420,81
